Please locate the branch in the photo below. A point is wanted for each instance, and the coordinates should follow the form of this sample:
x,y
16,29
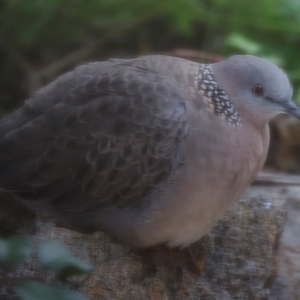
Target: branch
x,y
194,54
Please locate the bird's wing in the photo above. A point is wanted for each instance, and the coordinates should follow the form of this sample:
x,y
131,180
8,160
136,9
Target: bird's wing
x,y
106,133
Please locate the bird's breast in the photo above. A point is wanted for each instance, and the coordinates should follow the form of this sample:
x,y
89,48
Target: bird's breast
x,y
216,170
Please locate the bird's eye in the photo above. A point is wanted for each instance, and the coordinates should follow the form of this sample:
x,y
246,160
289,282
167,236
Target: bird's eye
x,y
258,90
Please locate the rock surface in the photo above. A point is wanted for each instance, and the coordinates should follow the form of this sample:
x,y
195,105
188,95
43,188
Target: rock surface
x,y
287,284
237,260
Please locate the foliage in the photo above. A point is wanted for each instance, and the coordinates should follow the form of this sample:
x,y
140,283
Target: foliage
x,y
51,255
14,251
71,21
35,34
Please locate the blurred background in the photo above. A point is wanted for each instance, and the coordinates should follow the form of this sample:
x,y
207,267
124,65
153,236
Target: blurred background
x,y
39,40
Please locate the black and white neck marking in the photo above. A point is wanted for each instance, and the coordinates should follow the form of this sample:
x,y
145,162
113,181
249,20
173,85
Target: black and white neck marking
x,y
216,97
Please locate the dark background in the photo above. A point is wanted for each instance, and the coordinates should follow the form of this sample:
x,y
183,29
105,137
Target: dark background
x,y
41,39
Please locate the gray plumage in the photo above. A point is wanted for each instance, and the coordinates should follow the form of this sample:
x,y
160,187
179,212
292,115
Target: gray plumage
x,y
150,150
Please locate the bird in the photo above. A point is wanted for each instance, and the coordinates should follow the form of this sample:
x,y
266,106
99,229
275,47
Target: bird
x,y
150,150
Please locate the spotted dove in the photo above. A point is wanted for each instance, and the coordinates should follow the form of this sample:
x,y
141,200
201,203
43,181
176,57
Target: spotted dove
x,y
149,150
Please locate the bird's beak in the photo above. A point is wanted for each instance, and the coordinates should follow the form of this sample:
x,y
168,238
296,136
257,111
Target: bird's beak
x,y
291,108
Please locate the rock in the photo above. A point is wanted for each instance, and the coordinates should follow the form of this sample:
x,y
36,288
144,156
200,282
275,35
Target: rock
x,y
237,260
287,284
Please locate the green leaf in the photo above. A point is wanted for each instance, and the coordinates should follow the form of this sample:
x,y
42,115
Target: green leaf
x,y
53,255
31,290
244,44
14,251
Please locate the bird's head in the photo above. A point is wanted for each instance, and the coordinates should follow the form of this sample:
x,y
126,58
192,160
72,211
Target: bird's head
x,y
258,88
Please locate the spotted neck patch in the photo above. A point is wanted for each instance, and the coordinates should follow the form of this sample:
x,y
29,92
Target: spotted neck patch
x,y
215,96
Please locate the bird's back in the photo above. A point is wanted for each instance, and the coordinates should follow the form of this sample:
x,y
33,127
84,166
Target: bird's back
x,y
103,135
